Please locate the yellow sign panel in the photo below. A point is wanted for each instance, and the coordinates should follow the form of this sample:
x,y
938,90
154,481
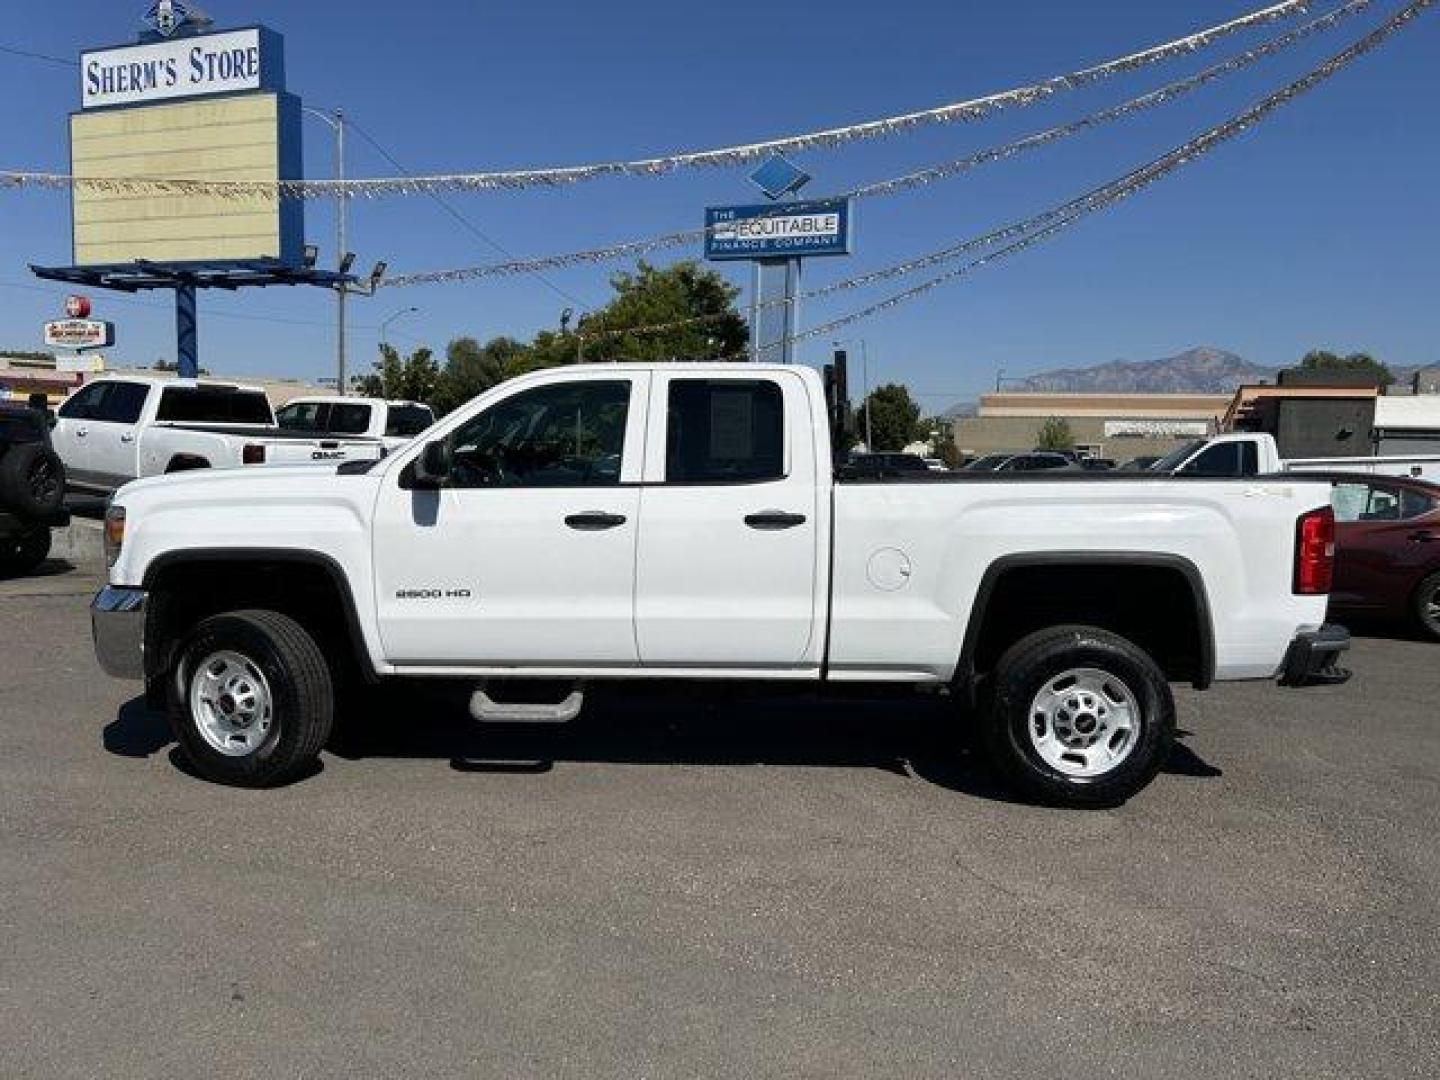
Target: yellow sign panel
x,y
236,138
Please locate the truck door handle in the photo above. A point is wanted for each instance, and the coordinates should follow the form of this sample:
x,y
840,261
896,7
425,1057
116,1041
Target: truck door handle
x,y
1424,536
774,520
80,433
127,438
595,521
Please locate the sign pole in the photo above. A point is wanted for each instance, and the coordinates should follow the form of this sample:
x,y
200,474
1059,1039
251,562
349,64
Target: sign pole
x,y
187,332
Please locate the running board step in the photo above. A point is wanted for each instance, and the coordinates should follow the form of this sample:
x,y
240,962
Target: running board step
x,y
487,710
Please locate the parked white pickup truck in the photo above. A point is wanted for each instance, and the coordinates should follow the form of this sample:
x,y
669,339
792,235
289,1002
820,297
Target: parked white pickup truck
x,y
394,423
1256,454
684,522
116,429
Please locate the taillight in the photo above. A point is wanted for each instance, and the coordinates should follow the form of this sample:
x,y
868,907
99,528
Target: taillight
x,y
1315,552
253,454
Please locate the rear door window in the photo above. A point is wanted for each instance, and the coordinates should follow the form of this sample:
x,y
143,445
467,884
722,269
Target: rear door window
x,y
350,418
214,405
725,431
1414,504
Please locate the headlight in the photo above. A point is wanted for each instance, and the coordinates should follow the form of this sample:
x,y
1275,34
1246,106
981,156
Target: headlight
x,y
114,533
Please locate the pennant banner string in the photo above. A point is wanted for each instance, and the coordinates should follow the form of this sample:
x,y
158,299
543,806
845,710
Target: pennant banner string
x,y
909,182
956,112
1026,234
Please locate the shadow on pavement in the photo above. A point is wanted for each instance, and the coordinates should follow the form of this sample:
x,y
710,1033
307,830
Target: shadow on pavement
x,y
137,731
906,736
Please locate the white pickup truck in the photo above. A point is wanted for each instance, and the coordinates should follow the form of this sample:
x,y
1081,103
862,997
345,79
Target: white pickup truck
x,y
116,429
1256,454
684,522
393,423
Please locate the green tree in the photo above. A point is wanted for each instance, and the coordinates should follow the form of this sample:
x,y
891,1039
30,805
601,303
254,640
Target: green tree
x,y
411,378
1055,434
891,417
471,369
695,304
1325,360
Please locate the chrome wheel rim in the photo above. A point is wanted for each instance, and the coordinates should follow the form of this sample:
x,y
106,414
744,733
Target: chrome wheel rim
x,y
1430,610
1084,723
231,704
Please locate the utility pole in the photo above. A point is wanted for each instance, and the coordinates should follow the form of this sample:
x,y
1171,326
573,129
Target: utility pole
x,y
336,122
342,216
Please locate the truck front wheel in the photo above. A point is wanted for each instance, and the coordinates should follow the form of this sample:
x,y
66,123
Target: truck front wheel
x,y
1079,717
250,699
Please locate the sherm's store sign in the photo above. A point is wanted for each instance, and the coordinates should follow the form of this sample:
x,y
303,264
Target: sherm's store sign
x,y
225,63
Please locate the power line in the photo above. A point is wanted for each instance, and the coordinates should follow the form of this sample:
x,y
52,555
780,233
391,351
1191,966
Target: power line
x,y
829,138
44,57
915,180
464,221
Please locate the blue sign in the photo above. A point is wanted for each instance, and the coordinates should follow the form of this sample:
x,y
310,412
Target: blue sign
x,y
779,230
778,177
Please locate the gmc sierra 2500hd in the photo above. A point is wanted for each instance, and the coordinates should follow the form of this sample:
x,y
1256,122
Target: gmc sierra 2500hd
x,y
685,522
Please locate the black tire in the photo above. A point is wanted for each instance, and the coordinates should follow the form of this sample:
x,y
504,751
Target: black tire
x,y
25,553
1425,606
1026,669
300,690
32,480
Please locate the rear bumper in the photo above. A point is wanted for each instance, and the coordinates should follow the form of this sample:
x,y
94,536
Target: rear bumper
x,y
1313,658
117,621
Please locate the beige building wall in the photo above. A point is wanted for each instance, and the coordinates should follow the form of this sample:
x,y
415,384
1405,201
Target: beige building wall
x,y
1012,422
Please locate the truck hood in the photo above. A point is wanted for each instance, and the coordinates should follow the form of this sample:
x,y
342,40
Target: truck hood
x,y
261,482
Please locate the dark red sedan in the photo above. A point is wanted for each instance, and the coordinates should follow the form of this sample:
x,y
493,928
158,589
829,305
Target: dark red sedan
x,y
1387,559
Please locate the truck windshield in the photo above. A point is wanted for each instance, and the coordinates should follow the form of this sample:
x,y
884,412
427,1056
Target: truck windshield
x,y
214,405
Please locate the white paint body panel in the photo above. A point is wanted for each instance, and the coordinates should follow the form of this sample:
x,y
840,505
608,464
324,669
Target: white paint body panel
x,y
101,455
693,593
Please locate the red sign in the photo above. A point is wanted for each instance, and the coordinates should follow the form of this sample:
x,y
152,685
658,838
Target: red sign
x,y
77,307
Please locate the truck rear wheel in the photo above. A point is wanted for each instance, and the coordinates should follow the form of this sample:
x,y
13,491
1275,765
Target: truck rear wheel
x,y
251,700
1079,717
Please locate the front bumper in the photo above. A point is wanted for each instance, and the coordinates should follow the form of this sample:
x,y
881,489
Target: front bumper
x,y
117,620
1313,658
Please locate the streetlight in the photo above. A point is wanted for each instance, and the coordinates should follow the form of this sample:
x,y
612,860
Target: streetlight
x,y
336,122
385,326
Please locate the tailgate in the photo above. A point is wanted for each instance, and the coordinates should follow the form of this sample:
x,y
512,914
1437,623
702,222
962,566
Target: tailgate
x,y
321,451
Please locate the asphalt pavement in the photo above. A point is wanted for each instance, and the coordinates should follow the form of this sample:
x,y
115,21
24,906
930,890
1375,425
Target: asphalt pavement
x,y
700,884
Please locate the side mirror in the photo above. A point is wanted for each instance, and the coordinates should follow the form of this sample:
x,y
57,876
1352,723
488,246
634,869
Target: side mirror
x,y
435,464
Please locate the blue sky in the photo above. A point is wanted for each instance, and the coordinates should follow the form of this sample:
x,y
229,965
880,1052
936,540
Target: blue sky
x,y
1319,228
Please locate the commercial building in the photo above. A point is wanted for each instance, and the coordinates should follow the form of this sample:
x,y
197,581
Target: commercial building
x,y
1119,426
22,377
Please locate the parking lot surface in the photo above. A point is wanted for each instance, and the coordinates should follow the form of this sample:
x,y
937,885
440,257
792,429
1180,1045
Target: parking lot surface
x,y
695,884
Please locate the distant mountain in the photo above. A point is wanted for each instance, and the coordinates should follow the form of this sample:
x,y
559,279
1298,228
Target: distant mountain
x,y
1197,371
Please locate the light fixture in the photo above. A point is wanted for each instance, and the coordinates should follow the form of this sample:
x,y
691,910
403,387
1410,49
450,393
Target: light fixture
x,y
346,262
311,255
378,273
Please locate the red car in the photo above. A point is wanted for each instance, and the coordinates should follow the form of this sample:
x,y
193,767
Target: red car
x,y
1387,559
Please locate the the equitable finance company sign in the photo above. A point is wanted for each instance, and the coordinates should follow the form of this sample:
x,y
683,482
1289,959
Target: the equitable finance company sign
x,y
778,230
226,63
